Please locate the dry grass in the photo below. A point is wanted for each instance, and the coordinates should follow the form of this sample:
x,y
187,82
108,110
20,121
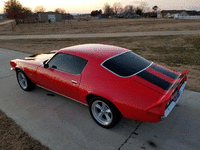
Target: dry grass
x,y
176,52
13,137
102,26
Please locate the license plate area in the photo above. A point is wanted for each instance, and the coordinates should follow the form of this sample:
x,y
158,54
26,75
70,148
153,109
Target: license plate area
x,y
175,96
174,99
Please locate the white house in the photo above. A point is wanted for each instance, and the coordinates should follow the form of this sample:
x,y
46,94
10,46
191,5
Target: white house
x,y
187,15
2,16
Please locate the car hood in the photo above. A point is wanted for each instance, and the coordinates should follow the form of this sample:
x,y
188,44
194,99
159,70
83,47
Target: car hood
x,y
159,78
39,58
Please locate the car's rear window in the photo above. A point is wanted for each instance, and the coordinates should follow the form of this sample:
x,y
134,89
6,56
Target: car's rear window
x,y
126,64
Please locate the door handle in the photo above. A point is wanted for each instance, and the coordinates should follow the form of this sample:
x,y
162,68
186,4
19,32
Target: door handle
x,y
54,67
75,82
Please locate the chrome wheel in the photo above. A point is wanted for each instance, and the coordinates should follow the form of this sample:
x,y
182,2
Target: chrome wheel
x,y
22,80
102,112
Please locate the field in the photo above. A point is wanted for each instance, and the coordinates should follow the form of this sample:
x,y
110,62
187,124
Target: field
x,y
176,52
102,26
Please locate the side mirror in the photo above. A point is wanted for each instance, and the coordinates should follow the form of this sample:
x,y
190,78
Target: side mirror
x,y
45,61
45,65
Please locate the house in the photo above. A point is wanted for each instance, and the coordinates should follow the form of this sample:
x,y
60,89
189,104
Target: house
x,y
159,15
82,17
32,18
67,16
180,14
102,16
49,16
2,16
187,15
127,14
170,13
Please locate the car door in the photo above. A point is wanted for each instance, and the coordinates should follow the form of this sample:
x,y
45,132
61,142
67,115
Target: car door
x,y
63,74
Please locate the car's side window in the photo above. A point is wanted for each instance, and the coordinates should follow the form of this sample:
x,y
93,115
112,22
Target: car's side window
x,y
68,63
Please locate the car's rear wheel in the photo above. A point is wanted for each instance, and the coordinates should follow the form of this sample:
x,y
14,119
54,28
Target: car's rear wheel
x,y
104,112
25,83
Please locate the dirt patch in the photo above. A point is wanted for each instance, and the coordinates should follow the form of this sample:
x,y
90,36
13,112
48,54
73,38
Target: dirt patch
x,y
176,52
13,137
102,26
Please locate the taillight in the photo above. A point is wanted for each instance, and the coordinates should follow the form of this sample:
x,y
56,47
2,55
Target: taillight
x,y
13,64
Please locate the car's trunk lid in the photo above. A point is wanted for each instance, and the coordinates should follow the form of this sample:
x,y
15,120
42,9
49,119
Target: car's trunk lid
x,y
160,79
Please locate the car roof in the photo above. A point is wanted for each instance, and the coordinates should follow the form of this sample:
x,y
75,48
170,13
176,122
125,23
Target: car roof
x,y
93,51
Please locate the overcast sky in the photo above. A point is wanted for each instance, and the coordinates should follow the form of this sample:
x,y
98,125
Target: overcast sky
x,y
86,6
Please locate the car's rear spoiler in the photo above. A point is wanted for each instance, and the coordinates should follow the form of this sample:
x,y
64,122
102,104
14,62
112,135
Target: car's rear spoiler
x,y
179,80
169,93
184,73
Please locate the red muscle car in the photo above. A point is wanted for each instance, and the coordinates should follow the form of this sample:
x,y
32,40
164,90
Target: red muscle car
x,y
113,81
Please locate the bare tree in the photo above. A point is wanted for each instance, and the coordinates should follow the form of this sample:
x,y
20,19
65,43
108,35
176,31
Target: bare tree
x,y
129,8
107,9
155,8
96,12
39,9
144,6
139,11
60,11
14,10
117,8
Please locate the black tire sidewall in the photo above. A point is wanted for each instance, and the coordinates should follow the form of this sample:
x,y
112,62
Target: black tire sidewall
x,y
30,85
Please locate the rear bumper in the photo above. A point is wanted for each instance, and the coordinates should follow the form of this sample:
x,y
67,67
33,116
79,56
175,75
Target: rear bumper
x,y
173,103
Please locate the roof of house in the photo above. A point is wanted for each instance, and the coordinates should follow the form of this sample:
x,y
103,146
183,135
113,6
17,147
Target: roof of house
x,y
192,13
172,11
49,12
189,12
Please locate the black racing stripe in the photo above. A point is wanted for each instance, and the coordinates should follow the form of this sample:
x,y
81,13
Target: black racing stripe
x,y
155,80
165,71
182,76
175,85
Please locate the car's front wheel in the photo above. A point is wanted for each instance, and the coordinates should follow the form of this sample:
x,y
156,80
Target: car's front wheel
x,y
25,83
104,112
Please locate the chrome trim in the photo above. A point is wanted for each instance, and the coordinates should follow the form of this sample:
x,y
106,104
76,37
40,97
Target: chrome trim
x,y
62,95
173,104
123,76
75,82
99,111
22,80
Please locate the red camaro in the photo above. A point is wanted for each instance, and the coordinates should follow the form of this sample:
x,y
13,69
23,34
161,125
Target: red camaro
x,y
113,81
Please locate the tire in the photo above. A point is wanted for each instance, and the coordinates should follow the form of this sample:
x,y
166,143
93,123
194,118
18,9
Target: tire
x,y
25,83
104,112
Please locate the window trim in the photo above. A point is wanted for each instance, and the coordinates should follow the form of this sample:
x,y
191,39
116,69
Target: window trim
x,y
119,55
71,55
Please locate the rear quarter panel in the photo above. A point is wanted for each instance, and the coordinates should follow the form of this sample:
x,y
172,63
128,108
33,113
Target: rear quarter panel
x,y
129,96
